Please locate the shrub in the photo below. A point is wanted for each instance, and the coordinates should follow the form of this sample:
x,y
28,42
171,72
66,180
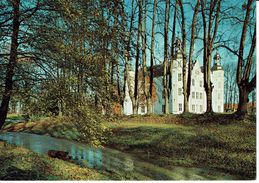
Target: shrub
x,y
89,124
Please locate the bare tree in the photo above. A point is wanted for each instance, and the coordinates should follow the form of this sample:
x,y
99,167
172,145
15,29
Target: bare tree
x,y
144,61
193,27
172,45
136,83
245,85
128,37
152,56
185,97
165,65
210,28
246,80
12,62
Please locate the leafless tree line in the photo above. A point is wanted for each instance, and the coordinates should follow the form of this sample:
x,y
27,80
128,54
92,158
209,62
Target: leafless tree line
x,y
118,36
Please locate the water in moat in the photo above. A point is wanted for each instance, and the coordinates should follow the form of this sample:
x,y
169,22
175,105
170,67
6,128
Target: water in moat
x,y
125,166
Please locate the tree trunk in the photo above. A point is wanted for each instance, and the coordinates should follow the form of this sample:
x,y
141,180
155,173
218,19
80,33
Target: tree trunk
x,y
165,66
172,47
208,84
144,61
135,107
152,58
209,35
209,98
119,87
166,102
243,100
135,111
243,71
226,94
12,63
137,59
149,105
185,97
194,24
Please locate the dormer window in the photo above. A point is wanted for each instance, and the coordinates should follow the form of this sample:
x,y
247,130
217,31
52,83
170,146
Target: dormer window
x,y
179,91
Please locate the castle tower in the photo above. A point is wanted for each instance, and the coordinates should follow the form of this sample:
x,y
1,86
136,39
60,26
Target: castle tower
x,y
176,104
217,78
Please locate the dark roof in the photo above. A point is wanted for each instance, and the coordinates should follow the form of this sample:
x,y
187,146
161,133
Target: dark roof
x,y
158,70
216,67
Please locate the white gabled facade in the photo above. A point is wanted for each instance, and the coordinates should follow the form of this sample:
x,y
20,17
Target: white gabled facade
x,y
197,101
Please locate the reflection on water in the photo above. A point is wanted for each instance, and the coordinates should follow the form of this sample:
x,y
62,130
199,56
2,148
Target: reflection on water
x,y
92,157
98,158
123,166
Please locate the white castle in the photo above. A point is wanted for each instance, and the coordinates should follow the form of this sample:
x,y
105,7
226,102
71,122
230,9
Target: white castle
x,y
197,101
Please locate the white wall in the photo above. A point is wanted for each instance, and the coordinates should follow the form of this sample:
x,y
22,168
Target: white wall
x,y
196,103
127,107
177,96
218,90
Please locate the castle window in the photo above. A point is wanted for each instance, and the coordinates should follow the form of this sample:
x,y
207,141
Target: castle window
x,y
197,95
193,94
200,95
193,108
179,77
219,96
200,83
219,108
180,107
179,91
200,108
193,82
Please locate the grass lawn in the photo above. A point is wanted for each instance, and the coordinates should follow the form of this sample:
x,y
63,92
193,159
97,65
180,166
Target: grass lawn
x,y
216,142
44,126
21,164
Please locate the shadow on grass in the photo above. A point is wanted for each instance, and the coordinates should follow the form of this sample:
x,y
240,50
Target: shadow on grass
x,y
215,147
14,173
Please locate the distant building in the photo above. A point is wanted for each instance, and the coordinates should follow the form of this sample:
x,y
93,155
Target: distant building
x,y
197,102
232,107
142,108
